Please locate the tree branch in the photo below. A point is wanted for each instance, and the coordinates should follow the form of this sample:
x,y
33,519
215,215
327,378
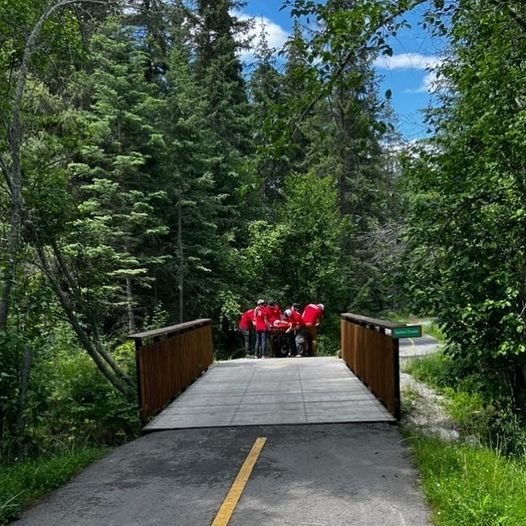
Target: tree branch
x,y
15,136
350,54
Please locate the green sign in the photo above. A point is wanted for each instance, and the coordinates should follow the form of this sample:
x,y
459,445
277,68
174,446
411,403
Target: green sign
x,y
408,331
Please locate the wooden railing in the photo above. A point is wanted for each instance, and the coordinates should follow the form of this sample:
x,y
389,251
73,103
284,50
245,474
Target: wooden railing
x,y
170,359
372,353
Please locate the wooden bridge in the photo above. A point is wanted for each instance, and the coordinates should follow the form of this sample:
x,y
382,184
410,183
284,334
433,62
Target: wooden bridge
x,y
362,386
220,459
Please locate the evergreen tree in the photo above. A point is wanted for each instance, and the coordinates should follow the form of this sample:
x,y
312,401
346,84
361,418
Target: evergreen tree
x,y
193,207
115,175
297,84
266,94
219,38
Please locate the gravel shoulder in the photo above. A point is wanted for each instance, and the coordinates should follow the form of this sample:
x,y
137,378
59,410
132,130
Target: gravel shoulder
x,y
423,407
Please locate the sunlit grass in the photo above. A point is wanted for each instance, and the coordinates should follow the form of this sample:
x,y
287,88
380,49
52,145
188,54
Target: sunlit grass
x,y
22,483
468,486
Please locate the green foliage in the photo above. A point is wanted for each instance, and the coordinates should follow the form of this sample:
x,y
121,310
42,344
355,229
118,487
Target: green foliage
x,y
161,182
468,411
116,194
315,230
433,329
466,201
69,404
468,486
436,370
24,482
81,407
478,408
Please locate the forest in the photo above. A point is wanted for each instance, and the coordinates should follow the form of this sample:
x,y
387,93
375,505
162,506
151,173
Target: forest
x,y
150,176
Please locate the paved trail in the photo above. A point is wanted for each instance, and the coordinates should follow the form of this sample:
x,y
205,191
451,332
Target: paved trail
x,y
357,474
337,474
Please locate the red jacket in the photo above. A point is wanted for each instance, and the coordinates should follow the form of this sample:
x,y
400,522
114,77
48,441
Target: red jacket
x,y
260,317
273,313
295,320
312,314
247,320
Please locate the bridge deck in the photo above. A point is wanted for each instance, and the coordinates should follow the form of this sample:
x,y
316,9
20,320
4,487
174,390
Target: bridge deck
x,y
273,391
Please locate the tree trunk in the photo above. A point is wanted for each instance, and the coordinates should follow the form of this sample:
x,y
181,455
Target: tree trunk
x,y
15,138
110,373
181,258
25,371
92,321
129,306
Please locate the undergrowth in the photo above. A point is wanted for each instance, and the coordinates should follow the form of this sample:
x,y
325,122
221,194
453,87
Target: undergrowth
x,y
471,486
487,420
480,481
23,482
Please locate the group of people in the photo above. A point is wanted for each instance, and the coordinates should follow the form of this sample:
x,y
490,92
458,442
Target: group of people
x,y
266,327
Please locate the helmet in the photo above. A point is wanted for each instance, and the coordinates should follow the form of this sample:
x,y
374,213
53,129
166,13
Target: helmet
x,y
287,313
261,302
321,306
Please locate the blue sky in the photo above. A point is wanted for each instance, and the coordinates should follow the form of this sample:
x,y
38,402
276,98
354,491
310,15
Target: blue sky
x,y
405,74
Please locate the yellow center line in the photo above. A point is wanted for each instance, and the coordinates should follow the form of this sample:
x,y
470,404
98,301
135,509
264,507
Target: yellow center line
x,y
229,504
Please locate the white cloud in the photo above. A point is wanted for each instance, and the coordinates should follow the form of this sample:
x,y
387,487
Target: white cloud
x,y
407,61
414,61
276,35
431,83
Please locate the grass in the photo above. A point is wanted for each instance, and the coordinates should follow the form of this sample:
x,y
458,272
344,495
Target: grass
x,y
435,370
408,400
469,486
25,482
432,328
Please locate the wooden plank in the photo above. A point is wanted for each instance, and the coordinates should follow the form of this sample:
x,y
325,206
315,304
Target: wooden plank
x,y
357,318
172,329
167,365
325,391
373,356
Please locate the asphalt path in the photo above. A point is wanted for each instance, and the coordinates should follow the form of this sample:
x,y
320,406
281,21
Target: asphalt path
x,y
329,474
418,347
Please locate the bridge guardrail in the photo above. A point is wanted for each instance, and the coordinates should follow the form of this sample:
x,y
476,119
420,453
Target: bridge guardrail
x,y
370,348
168,360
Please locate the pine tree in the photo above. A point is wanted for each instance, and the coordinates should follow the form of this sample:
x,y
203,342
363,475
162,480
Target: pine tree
x,y
293,116
219,38
266,97
115,176
193,206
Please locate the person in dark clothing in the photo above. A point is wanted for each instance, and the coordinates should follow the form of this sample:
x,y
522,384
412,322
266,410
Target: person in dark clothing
x,y
296,330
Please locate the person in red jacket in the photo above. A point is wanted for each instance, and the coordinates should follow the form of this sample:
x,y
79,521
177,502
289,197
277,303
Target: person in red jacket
x,y
273,335
296,331
246,324
312,314
261,324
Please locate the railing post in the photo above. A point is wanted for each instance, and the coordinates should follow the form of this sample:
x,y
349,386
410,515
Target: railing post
x,y
396,364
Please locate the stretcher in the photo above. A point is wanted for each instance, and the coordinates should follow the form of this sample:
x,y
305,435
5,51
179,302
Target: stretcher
x,y
280,341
